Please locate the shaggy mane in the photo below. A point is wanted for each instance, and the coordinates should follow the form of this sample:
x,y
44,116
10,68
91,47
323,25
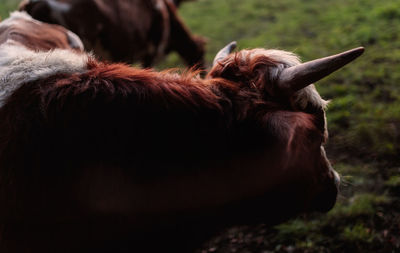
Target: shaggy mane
x,y
259,69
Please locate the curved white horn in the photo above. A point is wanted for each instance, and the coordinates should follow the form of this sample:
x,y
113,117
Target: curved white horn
x,y
224,52
74,41
297,77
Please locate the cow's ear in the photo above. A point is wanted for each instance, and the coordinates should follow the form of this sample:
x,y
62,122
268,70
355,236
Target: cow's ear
x,y
47,11
228,68
39,9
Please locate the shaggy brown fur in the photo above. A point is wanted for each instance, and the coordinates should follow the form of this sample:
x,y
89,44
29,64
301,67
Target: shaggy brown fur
x,y
116,158
98,157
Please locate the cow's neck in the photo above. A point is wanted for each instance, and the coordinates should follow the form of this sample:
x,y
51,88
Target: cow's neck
x,y
111,193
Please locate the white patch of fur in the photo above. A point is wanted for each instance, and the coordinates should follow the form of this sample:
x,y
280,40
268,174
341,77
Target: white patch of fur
x,y
19,65
309,95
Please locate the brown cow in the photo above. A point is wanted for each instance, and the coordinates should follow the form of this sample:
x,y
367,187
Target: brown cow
x,y
123,30
98,157
23,29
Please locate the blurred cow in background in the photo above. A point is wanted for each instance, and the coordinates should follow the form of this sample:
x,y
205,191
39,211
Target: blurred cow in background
x,y
20,28
123,30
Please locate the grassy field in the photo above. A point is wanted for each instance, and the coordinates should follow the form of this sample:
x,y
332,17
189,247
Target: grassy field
x,y
364,115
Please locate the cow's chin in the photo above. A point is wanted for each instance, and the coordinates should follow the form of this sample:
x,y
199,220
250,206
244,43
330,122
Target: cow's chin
x,y
294,202
325,200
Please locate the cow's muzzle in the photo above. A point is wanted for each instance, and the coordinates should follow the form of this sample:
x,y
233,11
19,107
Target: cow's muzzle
x,y
326,199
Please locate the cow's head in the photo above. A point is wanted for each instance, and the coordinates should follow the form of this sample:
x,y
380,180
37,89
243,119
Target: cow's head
x,y
20,28
49,11
298,119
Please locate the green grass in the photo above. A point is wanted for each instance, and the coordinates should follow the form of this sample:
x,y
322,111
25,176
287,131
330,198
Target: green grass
x,y
363,117
6,6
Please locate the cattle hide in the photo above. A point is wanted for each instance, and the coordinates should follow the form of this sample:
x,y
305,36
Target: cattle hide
x,y
20,28
98,157
123,30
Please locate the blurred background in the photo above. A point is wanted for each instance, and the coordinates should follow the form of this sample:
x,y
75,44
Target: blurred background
x,y
363,116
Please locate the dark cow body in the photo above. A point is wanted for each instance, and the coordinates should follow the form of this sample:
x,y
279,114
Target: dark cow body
x,y
140,157
98,157
123,30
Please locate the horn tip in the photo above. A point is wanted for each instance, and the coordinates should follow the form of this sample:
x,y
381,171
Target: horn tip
x,y
357,51
232,45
